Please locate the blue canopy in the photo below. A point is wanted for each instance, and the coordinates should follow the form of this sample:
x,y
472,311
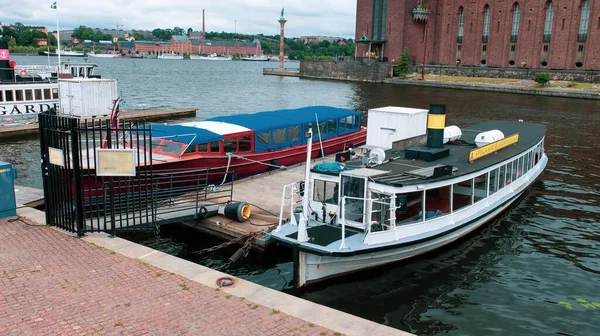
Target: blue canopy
x,y
270,120
185,134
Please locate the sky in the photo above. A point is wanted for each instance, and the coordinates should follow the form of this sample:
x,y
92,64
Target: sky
x,y
305,17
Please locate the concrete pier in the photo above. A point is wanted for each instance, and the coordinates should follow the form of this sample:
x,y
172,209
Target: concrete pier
x,y
55,284
8,131
288,72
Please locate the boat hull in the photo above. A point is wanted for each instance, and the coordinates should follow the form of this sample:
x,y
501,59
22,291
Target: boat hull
x,y
312,267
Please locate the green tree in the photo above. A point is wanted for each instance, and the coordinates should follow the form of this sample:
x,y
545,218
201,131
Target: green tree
x,y
7,31
404,67
139,37
542,78
177,31
189,31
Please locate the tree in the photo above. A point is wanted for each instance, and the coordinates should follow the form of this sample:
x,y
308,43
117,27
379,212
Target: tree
x,y
177,31
404,68
7,31
542,78
139,37
189,31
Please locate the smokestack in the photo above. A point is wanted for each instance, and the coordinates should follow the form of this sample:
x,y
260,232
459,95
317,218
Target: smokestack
x,y
203,28
436,121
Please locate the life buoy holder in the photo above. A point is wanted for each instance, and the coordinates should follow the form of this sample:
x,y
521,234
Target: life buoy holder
x,y
24,72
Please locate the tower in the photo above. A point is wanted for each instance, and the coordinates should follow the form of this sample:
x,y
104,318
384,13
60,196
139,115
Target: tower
x,y
203,27
282,22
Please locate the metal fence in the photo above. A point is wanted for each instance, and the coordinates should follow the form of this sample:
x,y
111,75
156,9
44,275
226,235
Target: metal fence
x,y
79,200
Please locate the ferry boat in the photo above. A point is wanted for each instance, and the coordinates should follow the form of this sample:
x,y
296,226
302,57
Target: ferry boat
x,y
93,54
63,52
27,90
170,56
212,57
416,187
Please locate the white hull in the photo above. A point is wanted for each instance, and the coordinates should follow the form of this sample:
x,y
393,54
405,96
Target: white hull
x,y
256,59
29,108
170,56
103,55
209,58
312,268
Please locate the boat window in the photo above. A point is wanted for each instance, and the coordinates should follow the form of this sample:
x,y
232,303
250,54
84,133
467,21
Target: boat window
x,y
190,149
294,133
245,144
480,188
203,148
461,194
353,187
409,208
493,183
322,128
47,94
380,212
1,95
437,202
230,145
214,147
509,173
264,137
90,70
38,94
19,95
155,143
279,136
501,177
520,167
331,127
9,95
55,93
528,162
342,124
171,147
82,72
28,94
325,192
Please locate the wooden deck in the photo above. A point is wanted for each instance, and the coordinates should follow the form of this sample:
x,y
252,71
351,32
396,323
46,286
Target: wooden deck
x,y
147,114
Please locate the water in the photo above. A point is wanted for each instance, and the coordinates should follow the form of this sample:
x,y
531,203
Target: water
x,y
521,274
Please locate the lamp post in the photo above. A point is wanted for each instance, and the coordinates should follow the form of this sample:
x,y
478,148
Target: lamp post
x,y
420,14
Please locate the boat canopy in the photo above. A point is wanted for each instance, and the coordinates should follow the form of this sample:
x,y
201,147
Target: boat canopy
x,y
185,134
284,128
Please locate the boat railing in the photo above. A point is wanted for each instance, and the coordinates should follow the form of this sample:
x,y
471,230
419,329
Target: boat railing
x,y
288,194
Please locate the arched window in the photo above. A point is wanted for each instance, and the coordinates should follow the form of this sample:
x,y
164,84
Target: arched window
x,y
461,24
584,21
548,24
515,25
486,23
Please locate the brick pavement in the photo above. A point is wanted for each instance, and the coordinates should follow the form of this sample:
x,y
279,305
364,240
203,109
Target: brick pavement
x,y
55,284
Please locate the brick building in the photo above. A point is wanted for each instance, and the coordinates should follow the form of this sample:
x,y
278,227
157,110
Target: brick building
x,y
181,44
554,34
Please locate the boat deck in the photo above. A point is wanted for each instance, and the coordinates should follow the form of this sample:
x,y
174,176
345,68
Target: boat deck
x,y
402,171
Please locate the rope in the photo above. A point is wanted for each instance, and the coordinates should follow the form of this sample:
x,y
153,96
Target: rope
x,y
227,169
266,164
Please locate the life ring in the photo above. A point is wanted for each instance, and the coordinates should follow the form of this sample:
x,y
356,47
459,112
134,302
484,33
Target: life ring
x,y
24,72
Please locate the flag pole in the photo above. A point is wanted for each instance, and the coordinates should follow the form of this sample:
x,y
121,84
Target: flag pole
x,y
58,43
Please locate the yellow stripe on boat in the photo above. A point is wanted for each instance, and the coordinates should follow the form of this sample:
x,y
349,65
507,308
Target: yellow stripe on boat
x,y
493,147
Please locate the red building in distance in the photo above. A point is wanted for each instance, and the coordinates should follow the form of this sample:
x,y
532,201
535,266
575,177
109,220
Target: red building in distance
x,y
553,34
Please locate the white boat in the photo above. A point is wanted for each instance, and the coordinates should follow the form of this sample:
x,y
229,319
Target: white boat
x,y
256,58
67,53
92,54
28,90
399,200
170,56
212,57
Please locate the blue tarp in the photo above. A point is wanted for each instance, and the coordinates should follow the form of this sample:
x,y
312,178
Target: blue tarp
x,y
185,134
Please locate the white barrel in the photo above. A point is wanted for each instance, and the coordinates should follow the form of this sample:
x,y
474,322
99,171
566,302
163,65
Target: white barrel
x,y
452,133
488,137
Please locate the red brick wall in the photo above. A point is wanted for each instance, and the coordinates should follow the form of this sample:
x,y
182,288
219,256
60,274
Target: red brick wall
x,y
443,29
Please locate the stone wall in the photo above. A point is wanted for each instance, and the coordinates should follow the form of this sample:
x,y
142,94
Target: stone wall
x,y
592,76
361,70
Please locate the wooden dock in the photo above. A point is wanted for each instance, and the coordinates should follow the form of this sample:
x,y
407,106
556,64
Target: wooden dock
x,y
8,131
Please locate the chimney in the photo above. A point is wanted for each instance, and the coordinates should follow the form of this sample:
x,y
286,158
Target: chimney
x,y
436,122
203,29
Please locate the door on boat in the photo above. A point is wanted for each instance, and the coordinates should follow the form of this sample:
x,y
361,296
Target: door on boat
x,y
354,195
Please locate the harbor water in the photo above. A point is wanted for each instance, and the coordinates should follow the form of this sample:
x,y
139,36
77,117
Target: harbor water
x,y
535,270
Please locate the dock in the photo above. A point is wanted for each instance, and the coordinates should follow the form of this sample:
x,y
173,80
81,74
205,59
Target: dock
x,y
8,131
288,72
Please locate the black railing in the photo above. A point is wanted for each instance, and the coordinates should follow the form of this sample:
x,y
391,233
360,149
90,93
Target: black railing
x,y
514,38
484,39
547,37
582,37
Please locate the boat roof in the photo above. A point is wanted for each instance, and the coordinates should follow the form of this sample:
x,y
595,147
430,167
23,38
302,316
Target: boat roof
x,y
401,171
270,120
185,134
222,128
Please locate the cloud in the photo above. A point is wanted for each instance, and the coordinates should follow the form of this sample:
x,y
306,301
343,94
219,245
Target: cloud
x,y
306,17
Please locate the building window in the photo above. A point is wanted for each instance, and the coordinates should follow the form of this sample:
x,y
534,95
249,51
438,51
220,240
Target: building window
x,y
459,47
513,47
548,24
528,25
498,27
461,24
486,22
580,48
584,21
484,48
545,48
515,25
448,27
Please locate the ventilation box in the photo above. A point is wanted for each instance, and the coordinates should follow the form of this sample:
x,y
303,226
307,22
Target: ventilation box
x,y
387,125
87,98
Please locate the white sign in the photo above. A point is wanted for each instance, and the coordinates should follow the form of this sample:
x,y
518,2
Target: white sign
x,y
8,109
56,156
115,162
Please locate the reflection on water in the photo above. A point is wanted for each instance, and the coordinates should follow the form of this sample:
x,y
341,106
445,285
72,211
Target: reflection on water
x,y
518,275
